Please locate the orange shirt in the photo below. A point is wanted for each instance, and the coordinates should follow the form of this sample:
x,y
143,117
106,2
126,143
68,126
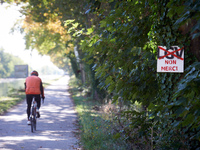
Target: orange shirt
x,y
33,85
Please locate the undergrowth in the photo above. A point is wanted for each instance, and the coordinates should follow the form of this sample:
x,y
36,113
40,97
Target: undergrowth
x,y
96,126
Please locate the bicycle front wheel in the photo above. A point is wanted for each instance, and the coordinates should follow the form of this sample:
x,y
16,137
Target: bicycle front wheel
x,y
31,119
34,123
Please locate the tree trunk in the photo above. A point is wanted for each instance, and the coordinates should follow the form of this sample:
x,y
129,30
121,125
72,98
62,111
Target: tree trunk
x,y
195,43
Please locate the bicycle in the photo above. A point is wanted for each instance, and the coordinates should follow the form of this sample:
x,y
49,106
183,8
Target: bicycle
x,y
33,116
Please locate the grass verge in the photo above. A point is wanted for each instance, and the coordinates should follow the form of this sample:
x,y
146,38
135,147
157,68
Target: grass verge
x,y
15,97
96,127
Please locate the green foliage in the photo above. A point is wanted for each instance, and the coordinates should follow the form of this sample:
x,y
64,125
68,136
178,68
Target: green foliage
x,y
118,40
7,64
123,50
188,12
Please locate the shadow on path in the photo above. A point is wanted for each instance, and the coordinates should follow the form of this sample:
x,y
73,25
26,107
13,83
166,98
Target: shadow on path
x,y
54,129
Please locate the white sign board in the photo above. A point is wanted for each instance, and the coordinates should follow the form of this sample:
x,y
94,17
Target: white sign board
x,y
170,60
21,71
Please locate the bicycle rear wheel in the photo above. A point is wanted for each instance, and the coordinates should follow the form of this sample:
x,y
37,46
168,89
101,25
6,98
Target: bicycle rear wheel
x,y
33,119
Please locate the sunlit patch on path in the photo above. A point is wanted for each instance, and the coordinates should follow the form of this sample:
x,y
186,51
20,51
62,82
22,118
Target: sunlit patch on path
x,y
54,129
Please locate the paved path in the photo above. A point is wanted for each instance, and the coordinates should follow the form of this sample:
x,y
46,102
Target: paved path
x,y
55,128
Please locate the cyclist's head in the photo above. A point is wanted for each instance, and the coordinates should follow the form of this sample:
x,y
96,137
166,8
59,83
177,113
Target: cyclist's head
x,y
34,73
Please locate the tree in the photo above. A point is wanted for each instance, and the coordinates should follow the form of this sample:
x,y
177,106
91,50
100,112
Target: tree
x,y
7,63
124,48
117,42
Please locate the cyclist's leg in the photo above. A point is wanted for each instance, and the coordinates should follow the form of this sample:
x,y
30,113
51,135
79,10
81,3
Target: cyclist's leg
x,y
38,100
28,101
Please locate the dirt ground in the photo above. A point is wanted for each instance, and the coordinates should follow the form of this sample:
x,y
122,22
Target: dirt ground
x,y
55,129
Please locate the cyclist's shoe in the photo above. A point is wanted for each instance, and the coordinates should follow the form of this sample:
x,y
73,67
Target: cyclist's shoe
x,y
38,115
28,122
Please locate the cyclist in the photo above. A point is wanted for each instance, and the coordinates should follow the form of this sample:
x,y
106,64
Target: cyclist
x,y
33,88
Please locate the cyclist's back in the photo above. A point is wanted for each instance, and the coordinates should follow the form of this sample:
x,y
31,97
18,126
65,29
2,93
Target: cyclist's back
x,y
33,84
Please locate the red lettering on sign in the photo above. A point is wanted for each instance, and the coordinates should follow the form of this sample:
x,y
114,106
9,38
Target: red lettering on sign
x,y
170,61
169,68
